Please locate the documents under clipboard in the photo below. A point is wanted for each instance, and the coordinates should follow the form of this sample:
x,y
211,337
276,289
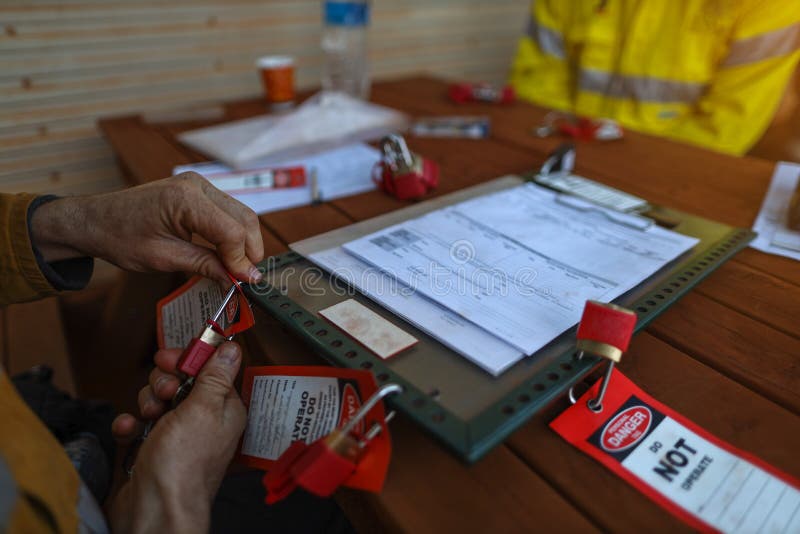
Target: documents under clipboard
x,y
469,409
499,276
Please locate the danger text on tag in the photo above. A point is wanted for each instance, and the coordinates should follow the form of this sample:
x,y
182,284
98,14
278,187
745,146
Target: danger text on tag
x,y
699,478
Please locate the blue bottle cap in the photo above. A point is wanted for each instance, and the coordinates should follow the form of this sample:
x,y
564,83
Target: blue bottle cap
x,y
346,13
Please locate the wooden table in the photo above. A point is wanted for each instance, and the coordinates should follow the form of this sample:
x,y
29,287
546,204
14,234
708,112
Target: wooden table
x,y
727,355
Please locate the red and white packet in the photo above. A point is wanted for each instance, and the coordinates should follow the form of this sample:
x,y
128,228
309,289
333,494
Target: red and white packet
x,y
304,403
706,482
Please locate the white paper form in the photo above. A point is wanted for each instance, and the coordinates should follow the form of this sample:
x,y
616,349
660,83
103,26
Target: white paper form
x,y
519,263
727,492
475,344
773,235
340,172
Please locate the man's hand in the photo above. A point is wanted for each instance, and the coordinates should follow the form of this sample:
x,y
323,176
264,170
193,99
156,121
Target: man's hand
x,y
150,227
180,465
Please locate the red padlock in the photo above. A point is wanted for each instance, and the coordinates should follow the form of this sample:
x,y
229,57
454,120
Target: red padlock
x,y
318,468
200,349
323,466
403,174
582,128
605,330
327,463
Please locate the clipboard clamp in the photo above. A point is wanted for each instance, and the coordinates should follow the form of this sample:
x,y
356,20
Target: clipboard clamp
x,y
631,220
605,330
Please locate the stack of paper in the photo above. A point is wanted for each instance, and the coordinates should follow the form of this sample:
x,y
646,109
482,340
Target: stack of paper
x,y
340,172
467,339
774,237
500,276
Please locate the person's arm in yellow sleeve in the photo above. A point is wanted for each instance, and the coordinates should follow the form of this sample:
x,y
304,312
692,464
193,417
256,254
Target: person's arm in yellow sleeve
x,y
750,82
540,72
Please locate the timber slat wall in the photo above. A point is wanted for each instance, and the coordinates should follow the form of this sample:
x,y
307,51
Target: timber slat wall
x,y
65,64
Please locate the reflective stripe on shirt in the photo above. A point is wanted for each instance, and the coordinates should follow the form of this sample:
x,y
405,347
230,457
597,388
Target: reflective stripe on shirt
x,y
549,41
640,88
763,46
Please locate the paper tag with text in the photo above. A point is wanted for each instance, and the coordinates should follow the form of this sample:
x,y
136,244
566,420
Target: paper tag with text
x,y
287,404
701,479
183,313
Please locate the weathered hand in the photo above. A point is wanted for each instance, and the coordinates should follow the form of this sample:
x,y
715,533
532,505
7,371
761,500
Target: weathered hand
x,y
180,465
150,228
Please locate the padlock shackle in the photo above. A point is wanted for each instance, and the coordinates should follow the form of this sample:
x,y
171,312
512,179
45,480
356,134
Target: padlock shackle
x,y
396,152
225,301
384,391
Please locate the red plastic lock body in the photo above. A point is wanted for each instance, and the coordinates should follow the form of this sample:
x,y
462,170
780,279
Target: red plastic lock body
x,y
320,470
199,350
584,129
412,183
605,329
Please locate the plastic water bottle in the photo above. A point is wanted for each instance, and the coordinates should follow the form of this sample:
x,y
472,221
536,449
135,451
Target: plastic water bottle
x,y
344,42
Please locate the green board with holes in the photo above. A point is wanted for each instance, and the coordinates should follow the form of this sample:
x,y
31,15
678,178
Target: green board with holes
x,y
467,409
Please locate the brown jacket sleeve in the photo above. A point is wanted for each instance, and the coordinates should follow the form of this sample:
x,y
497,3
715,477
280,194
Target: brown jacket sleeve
x,y
21,278
40,489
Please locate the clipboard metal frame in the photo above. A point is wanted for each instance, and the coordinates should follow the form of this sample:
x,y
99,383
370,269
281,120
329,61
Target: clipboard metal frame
x,y
472,438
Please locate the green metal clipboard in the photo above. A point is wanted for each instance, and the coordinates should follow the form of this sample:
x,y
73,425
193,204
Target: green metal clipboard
x,y
466,408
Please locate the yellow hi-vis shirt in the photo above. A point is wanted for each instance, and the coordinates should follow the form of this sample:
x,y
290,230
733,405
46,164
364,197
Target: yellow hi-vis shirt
x,y
708,72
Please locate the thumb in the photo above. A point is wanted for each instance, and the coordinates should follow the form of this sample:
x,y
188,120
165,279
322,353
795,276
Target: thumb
x,y
216,378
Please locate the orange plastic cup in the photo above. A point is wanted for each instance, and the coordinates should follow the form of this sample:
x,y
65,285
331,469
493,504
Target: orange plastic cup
x,y
277,77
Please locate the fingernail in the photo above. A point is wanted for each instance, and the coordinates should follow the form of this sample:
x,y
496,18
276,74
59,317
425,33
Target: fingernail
x,y
255,275
228,354
160,383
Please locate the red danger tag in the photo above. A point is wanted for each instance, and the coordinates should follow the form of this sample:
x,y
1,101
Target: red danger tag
x,y
701,479
183,313
287,404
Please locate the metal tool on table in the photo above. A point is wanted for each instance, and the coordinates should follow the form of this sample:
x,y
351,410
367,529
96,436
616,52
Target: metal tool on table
x,y
200,349
461,93
324,465
402,173
582,128
605,330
